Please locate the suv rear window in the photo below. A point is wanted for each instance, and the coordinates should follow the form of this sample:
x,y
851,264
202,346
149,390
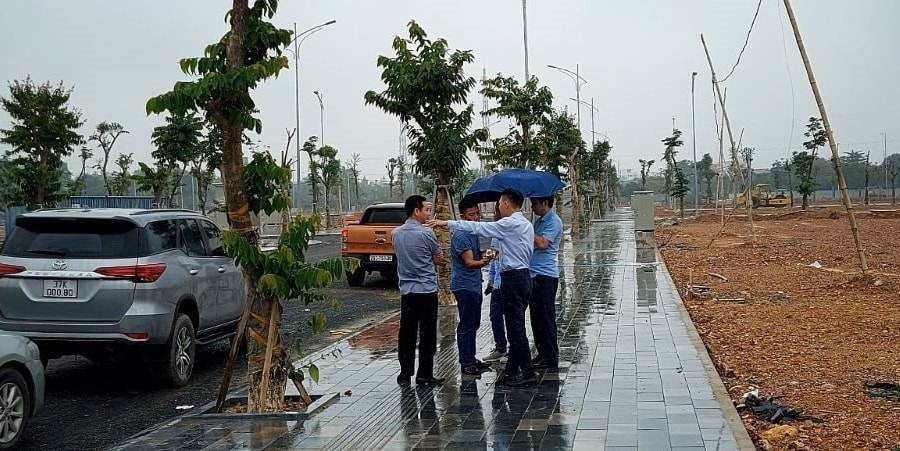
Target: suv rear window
x,y
72,238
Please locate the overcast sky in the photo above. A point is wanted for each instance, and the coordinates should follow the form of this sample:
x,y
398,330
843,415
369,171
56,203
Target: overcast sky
x,y
637,57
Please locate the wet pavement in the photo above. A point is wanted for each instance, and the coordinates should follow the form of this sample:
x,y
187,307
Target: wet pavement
x,y
633,375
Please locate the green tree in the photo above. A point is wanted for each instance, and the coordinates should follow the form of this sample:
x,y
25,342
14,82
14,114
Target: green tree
x,y
594,167
803,161
206,160
645,171
391,167
528,106
106,135
676,181
78,187
329,169
561,147
707,173
249,53
121,176
314,178
152,179
177,144
43,132
892,164
353,168
425,87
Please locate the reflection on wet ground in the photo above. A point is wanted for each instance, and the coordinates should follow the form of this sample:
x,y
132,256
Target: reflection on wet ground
x,y
630,376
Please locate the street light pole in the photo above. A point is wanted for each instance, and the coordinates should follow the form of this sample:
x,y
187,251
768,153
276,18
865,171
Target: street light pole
x,y
296,51
322,142
579,80
525,36
593,110
694,139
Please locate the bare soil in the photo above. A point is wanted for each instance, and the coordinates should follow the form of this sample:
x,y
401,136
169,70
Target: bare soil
x,y
796,317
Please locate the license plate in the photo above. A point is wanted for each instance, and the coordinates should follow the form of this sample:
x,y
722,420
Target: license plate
x,y
60,288
381,258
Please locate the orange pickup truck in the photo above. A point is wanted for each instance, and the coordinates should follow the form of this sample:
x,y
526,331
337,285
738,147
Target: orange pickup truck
x,y
369,240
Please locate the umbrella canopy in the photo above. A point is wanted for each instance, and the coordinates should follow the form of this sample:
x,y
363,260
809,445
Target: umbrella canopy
x,y
529,182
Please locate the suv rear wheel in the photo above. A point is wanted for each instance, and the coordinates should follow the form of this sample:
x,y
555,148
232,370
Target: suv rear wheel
x,y
15,408
175,370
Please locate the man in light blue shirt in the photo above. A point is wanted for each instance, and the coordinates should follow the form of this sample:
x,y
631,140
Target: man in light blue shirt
x,y
515,239
545,282
417,253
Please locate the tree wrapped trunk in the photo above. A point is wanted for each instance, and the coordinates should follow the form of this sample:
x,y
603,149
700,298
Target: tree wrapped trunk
x,y
266,357
442,210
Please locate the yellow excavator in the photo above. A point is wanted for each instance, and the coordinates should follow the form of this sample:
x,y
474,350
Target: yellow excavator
x,y
762,196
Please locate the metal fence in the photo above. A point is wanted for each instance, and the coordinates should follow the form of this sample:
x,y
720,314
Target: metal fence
x,y
143,202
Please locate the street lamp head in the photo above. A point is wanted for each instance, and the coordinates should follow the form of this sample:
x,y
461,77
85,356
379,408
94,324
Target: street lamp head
x,y
316,92
332,21
694,74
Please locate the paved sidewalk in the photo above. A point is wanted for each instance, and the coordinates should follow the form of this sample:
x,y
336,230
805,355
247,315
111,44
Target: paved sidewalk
x,y
633,375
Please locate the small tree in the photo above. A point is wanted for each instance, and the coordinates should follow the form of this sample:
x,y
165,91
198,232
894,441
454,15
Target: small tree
x,y
78,186
121,176
177,144
676,181
353,167
645,171
43,132
329,168
312,152
391,167
707,173
866,201
206,161
152,179
803,161
425,84
106,135
892,165
528,105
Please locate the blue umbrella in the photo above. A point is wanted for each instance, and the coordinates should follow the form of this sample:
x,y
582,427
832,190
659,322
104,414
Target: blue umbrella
x,y
529,182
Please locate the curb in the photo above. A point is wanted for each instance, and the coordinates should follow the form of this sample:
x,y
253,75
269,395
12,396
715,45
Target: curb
x,y
720,392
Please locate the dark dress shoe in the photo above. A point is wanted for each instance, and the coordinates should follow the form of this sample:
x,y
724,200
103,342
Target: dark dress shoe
x,y
521,381
403,379
481,364
472,370
429,380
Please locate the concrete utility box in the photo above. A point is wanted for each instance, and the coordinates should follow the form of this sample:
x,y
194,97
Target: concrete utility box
x,y
642,205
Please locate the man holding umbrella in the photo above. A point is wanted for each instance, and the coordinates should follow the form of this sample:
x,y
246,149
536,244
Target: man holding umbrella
x,y
515,239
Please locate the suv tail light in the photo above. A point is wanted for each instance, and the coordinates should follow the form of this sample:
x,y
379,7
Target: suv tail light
x,y
344,239
137,273
6,270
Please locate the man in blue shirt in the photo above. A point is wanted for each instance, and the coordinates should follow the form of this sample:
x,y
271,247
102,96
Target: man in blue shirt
x,y
417,253
515,238
465,284
545,281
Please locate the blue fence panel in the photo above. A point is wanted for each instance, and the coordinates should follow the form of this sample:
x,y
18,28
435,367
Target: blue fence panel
x,y
115,202
11,213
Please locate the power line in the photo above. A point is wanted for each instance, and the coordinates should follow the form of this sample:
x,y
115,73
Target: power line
x,y
747,40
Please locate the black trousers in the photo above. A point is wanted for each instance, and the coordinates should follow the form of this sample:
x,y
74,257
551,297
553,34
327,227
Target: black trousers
x,y
515,286
418,318
543,318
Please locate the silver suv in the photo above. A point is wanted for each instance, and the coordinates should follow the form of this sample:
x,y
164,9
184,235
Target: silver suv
x,y
108,283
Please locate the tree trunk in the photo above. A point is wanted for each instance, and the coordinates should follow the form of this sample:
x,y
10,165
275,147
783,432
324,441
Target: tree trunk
x,y
239,220
266,394
442,211
805,204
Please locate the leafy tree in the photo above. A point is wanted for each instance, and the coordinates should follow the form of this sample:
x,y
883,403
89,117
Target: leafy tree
x,y
78,187
152,179
803,161
892,164
353,167
425,84
676,181
121,176
43,132
645,171
594,167
707,173
177,144
329,170
106,135
391,167
528,105
206,160
314,178
401,174
249,53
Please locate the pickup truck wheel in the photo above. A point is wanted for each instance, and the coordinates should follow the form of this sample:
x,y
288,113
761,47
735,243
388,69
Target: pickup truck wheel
x,y
356,278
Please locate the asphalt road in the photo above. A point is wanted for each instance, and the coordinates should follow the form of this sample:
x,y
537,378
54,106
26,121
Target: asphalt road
x,y
93,406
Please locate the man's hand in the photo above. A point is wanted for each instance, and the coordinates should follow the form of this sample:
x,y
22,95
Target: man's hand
x,y
435,223
489,288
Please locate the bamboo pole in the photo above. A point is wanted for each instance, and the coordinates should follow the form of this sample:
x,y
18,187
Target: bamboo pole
x,y
842,182
734,156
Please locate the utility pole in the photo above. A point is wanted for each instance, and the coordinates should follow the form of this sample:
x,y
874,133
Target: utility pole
x,y
525,35
835,155
694,139
884,162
